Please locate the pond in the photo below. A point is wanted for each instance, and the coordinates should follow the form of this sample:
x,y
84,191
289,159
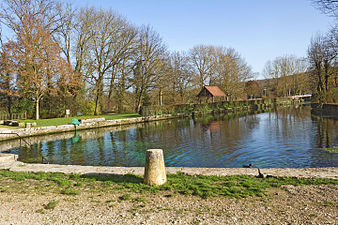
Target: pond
x,y
287,138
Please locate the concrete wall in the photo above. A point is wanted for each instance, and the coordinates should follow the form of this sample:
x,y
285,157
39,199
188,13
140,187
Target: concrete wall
x,y
8,134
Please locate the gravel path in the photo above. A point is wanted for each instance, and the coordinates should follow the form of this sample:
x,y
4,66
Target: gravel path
x,y
289,205
286,205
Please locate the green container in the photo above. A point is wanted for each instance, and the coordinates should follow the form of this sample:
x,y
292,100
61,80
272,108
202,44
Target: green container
x,y
75,122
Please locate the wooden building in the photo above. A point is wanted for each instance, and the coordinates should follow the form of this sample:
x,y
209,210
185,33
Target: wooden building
x,y
213,92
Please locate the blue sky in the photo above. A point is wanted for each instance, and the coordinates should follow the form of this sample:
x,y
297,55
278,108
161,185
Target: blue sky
x,y
258,29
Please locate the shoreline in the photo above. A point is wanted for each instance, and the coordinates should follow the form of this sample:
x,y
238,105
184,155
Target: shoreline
x,y
9,162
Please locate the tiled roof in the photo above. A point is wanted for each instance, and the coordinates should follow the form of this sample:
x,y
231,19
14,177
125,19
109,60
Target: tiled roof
x,y
215,91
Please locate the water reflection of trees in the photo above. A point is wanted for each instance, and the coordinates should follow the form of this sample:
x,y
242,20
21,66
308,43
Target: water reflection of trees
x,y
285,123
119,147
326,135
294,122
76,152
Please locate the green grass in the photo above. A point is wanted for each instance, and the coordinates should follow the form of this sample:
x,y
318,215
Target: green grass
x,y
62,121
51,204
325,203
9,127
202,186
333,149
70,191
125,197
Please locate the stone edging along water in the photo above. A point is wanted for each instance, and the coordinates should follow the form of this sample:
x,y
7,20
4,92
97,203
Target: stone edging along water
x,y
9,162
9,134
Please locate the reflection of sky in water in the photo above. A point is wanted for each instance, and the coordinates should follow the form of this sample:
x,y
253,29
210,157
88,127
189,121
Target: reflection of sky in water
x,y
289,138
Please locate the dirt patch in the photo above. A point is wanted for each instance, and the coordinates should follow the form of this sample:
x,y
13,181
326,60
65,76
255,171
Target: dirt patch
x,y
286,205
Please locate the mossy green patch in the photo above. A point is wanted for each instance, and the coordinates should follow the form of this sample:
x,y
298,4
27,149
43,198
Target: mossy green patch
x,y
51,204
333,149
203,186
70,191
125,197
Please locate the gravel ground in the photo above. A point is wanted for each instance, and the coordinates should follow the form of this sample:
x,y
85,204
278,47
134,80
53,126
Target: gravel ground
x,y
286,205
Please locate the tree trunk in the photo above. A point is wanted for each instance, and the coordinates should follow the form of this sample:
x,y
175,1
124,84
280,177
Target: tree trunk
x,y
160,97
319,75
9,106
99,91
37,110
111,86
120,96
326,69
138,104
96,105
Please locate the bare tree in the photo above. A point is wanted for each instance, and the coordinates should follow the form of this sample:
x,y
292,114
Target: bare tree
x,y
181,75
124,52
123,82
330,55
332,42
328,7
65,29
230,71
82,36
150,50
322,56
316,57
285,71
201,58
271,71
299,82
110,38
13,13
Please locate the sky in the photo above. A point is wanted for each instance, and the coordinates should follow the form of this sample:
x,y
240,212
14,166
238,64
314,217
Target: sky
x,y
259,30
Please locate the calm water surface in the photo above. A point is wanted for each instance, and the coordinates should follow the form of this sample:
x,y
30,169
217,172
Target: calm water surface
x,y
286,138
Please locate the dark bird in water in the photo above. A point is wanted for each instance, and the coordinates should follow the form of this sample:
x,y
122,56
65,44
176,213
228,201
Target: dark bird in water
x,y
260,175
247,166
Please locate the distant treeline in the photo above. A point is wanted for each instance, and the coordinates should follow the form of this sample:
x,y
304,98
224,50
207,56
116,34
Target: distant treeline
x,y
89,60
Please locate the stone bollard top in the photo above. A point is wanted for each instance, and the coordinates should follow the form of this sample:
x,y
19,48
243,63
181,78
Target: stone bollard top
x,y
156,151
155,173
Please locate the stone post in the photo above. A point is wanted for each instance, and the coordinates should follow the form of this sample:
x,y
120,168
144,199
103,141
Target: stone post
x,y
67,113
154,172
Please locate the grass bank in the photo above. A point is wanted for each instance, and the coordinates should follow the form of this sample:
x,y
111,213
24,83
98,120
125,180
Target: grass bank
x,y
178,184
62,121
